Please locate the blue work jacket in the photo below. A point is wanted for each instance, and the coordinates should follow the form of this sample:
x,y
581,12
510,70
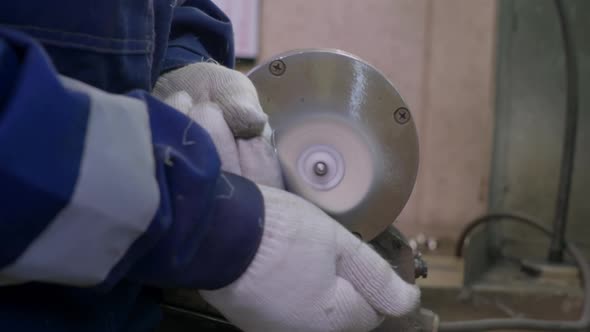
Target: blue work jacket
x,y
100,196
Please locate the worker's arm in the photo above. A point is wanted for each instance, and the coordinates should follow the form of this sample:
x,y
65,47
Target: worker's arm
x,y
95,187
199,32
118,45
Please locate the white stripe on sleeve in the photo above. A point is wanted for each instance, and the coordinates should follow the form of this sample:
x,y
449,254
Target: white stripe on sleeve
x,y
115,198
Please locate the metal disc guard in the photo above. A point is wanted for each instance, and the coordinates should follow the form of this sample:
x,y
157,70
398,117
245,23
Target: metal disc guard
x,y
345,138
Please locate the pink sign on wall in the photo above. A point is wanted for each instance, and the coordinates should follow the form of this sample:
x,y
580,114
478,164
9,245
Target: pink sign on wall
x,y
244,15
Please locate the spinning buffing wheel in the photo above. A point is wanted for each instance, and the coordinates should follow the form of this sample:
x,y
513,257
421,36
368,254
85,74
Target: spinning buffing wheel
x,y
344,136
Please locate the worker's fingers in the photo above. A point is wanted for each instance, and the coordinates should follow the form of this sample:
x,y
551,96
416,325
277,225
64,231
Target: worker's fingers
x,y
347,310
210,118
374,278
230,89
259,161
181,100
238,99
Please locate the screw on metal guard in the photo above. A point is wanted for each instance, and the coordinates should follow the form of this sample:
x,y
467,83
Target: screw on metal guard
x,y
277,67
401,115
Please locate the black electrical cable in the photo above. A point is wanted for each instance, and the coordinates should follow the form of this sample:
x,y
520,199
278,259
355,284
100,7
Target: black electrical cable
x,y
495,217
569,142
522,323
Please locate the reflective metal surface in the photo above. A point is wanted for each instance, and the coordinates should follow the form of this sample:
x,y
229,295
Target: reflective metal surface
x,y
345,138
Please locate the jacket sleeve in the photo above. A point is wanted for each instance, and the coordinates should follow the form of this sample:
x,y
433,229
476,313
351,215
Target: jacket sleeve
x,y
199,31
96,187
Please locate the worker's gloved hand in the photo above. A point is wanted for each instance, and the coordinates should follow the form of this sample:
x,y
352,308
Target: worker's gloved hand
x,y
230,90
311,274
231,113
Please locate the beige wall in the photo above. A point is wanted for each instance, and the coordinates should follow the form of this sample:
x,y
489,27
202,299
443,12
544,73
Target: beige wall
x,y
439,54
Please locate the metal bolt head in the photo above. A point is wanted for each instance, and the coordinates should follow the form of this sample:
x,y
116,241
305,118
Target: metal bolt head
x,y
401,115
277,67
420,267
320,168
421,239
432,244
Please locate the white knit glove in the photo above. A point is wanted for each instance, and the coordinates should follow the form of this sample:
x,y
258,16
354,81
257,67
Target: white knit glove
x,y
225,103
311,274
230,90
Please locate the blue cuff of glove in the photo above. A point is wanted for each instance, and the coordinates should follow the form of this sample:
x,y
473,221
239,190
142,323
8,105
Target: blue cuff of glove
x,y
182,52
200,31
233,239
219,252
